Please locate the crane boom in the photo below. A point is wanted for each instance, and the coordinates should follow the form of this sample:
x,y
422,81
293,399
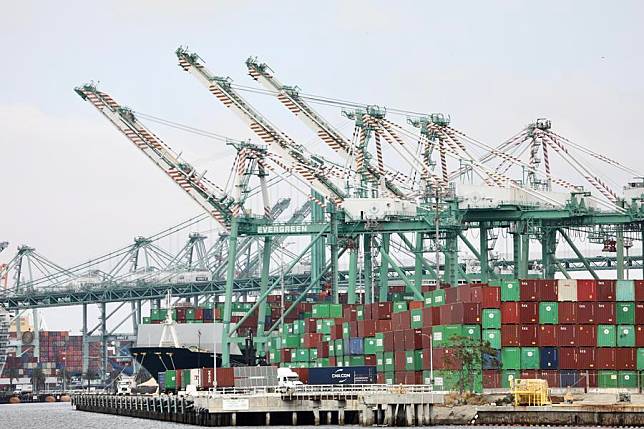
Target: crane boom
x,y
313,169
289,96
208,195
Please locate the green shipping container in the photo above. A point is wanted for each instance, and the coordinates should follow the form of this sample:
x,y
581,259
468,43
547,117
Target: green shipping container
x,y
606,336
510,290
472,331
320,311
324,325
417,318
511,358
627,379
400,306
190,314
389,363
413,360
607,379
274,356
443,335
356,361
155,314
389,377
507,375
360,312
493,336
185,378
335,311
625,290
302,355
491,318
339,348
346,329
291,341
640,359
625,313
380,342
171,379
529,358
298,327
438,297
380,362
548,313
625,336
370,346
146,320
428,298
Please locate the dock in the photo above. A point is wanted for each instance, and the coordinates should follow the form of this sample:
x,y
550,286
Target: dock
x,y
365,405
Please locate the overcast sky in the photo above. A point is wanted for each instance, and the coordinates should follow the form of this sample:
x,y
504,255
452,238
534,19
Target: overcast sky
x,y
74,188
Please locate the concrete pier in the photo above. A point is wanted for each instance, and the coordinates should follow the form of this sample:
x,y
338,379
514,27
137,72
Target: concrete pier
x,y
312,405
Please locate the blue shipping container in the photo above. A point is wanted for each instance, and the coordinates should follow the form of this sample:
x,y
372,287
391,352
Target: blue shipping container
x,y
161,381
492,361
356,346
343,375
569,378
549,357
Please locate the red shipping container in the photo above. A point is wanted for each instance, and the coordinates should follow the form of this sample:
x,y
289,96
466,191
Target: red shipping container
x,y
567,358
528,312
551,375
510,335
225,377
370,360
368,312
426,337
605,358
323,349
401,320
527,335
639,313
431,316
399,360
413,339
451,295
383,310
383,325
491,379
399,340
586,358
414,305
350,314
529,290
409,377
567,312
605,290
566,335
585,312
311,340
510,312
639,290
442,359
586,336
605,313
366,328
586,290
389,342
380,378
639,336
548,290
625,358
199,313
490,297
547,336
336,332
529,373
353,329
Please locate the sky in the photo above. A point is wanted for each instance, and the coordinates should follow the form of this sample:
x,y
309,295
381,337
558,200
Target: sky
x,y
74,188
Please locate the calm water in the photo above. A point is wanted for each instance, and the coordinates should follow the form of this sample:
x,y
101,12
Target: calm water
x,y
63,416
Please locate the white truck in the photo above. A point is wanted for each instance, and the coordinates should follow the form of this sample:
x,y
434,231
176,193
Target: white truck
x,y
287,380
125,384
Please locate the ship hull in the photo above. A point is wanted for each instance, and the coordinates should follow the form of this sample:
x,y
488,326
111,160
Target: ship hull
x,y
160,359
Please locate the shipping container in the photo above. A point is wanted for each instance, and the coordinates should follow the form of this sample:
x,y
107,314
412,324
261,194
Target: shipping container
x,y
549,358
493,337
510,290
605,313
510,312
586,290
343,375
547,335
625,336
530,358
606,336
625,290
566,335
528,312
606,358
548,313
567,290
605,290
511,358
491,318
625,313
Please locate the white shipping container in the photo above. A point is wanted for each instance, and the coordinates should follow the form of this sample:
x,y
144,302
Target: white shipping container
x,y
567,290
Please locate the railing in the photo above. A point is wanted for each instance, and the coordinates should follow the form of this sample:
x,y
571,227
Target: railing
x,y
326,389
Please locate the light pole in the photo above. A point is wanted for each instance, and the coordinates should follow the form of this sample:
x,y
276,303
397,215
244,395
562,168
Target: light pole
x,y
431,359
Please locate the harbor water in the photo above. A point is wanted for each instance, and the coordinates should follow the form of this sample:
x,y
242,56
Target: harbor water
x,y
63,416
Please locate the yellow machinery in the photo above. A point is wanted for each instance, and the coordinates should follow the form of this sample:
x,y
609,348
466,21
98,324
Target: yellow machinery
x,y
530,392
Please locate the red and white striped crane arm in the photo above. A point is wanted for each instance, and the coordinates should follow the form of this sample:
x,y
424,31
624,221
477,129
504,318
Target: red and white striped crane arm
x,y
208,195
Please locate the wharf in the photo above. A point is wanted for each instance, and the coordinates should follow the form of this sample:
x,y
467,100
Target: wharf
x,y
310,405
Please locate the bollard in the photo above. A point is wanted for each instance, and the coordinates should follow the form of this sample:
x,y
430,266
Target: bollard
x,y
316,417
268,418
294,418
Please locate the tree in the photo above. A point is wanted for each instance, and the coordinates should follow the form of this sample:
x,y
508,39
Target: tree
x,y
37,379
466,355
90,375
